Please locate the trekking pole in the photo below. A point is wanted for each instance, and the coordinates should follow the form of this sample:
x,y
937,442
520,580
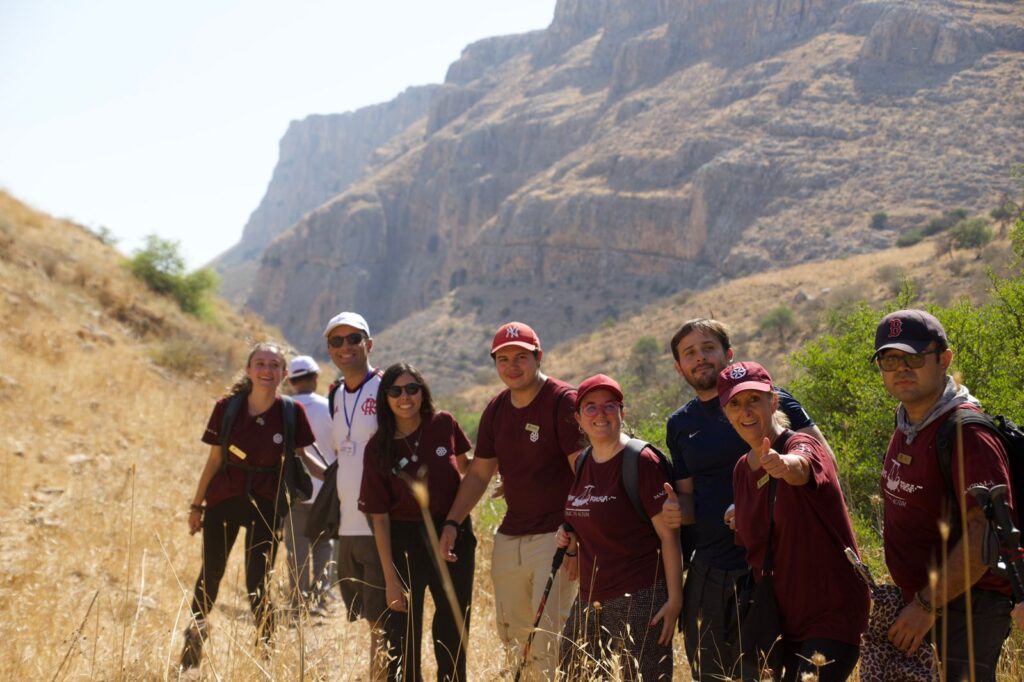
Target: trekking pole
x,y
556,563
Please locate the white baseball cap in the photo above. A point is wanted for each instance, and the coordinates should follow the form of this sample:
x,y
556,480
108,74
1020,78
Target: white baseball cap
x,y
351,319
302,365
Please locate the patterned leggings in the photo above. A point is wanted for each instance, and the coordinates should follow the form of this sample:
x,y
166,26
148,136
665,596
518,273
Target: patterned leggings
x,y
595,633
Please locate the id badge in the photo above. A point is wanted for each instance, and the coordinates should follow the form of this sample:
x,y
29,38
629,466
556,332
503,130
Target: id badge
x,y
348,448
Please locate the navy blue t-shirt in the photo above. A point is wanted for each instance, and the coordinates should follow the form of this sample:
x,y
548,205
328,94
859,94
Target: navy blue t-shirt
x,y
705,447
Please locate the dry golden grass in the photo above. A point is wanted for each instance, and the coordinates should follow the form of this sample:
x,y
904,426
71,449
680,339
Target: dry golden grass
x,y
100,453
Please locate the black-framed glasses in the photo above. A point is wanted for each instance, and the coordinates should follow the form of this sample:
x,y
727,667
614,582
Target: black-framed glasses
x,y
592,409
411,388
353,339
892,362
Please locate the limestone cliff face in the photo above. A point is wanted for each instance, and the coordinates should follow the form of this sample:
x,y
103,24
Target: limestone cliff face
x,y
639,147
320,156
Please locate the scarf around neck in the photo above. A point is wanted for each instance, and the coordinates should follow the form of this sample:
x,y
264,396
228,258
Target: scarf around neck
x,y
952,397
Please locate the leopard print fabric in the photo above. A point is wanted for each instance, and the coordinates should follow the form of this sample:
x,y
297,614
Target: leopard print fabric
x,y
880,661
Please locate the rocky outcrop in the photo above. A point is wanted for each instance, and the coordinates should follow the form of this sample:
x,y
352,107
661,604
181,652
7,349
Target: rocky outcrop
x,y
636,148
320,157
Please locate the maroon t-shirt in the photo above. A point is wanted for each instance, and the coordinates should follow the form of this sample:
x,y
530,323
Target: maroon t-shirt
x,y
532,445
916,497
818,590
427,454
261,438
618,547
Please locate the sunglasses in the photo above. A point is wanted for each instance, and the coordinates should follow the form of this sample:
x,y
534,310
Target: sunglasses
x,y
411,388
891,363
353,339
593,409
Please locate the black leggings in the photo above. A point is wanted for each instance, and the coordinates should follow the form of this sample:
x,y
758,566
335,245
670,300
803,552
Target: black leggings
x,y
798,657
416,564
221,524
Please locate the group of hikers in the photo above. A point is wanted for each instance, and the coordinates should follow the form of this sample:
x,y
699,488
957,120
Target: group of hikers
x,y
742,539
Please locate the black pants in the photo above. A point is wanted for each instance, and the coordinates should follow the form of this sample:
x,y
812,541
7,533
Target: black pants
x,y
711,619
991,626
799,658
221,524
416,563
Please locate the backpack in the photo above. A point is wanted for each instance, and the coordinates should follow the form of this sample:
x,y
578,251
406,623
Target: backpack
x,y
1009,433
294,477
630,470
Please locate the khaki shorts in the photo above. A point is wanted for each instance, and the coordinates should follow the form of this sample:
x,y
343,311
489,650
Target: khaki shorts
x,y
360,578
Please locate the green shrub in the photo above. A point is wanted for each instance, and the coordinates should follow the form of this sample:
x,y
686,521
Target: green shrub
x,y
909,238
879,220
162,267
971,234
780,321
643,361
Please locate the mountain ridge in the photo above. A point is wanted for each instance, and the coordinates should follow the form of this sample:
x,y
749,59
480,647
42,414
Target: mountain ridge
x,y
636,149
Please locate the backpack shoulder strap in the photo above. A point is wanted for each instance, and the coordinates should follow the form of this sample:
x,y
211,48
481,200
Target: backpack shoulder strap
x,y
584,453
331,392
945,441
231,411
631,473
288,408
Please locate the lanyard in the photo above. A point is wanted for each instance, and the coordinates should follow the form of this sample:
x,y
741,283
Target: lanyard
x,y
344,408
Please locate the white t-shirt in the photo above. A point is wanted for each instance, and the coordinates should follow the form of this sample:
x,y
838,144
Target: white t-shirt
x,y
319,418
355,422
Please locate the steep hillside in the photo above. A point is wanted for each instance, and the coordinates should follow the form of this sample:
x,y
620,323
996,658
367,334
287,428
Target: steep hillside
x,y
638,148
105,390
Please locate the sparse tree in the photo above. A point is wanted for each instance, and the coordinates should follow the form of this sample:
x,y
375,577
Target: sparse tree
x,y
779,321
974,233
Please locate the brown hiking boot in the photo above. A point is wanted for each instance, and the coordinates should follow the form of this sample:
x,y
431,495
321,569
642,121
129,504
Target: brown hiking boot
x,y
192,652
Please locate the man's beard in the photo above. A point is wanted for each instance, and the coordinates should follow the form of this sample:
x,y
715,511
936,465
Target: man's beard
x,y
704,382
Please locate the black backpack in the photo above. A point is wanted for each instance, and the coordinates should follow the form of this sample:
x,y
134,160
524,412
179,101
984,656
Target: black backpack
x,y
630,470
1009,433
295,476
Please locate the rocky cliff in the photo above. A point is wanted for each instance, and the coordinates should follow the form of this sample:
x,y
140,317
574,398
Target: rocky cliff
x,y
639,147
320,156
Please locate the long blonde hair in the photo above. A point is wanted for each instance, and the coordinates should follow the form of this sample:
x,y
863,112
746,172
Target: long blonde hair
x,y
243,384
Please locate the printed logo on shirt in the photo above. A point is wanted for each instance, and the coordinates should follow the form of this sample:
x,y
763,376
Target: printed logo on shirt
x,y
278,439
894,485
534,432
694,433
441,451
588,497
370,406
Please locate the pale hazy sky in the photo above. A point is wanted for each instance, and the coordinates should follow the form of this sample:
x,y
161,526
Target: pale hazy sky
x,y
164,117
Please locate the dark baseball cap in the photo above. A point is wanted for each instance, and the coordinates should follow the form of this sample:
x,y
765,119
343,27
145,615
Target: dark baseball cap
x,y
910,331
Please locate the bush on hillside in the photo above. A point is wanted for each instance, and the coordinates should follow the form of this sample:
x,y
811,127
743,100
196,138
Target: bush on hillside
x,y
971,234
162,267
779,320
909,238
879,220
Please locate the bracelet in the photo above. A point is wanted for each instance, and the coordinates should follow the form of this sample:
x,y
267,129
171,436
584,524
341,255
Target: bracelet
x,y
926,605
571,554
197,508
454,524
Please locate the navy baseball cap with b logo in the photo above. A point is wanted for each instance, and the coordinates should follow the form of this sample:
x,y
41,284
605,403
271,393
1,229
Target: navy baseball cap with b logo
x,y
910,331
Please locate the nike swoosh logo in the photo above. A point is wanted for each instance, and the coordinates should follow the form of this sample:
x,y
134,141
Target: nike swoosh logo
x,y
694,434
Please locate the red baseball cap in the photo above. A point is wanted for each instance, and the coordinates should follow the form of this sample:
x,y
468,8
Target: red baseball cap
x,y
515,334
743,376
598,381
